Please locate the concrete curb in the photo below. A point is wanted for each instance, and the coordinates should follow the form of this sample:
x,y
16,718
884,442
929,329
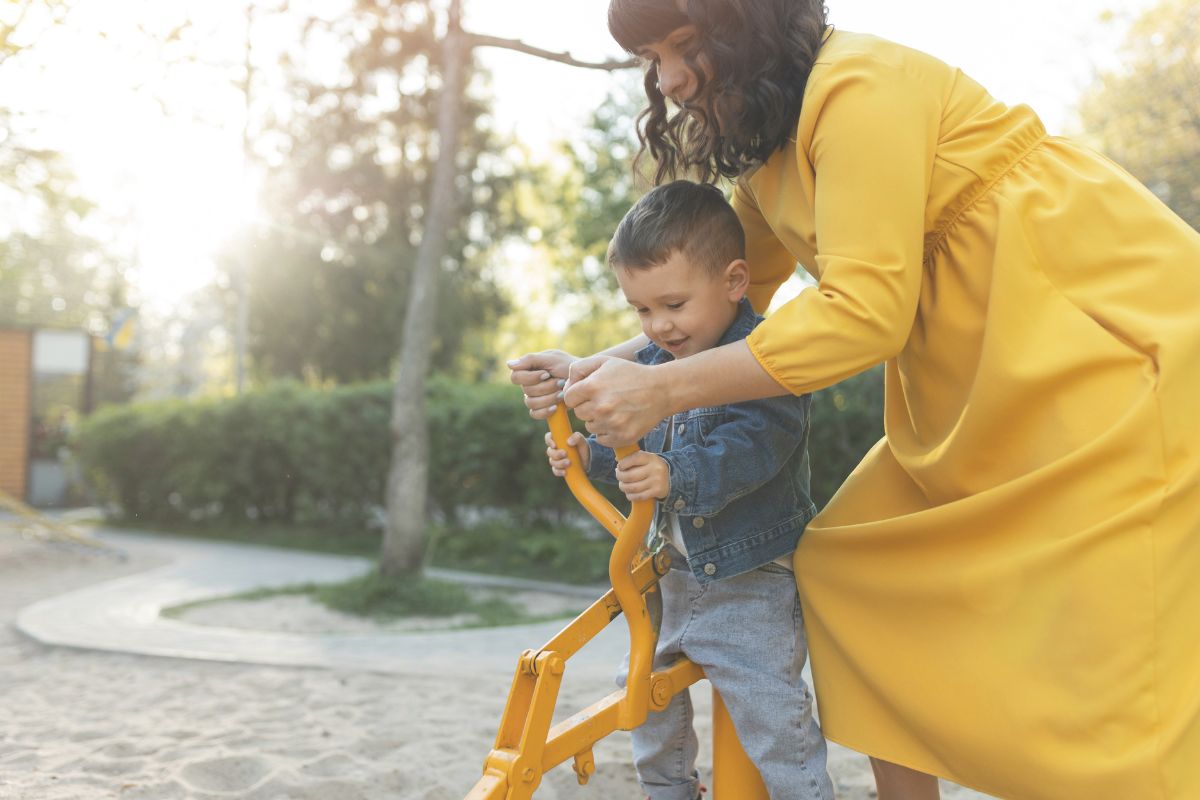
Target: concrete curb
x,y
123,615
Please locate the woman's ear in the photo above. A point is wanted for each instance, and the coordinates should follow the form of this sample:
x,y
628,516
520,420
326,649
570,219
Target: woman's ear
x,y
737,279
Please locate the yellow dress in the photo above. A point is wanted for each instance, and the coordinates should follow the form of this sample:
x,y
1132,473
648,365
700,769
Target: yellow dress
x,y
1006,592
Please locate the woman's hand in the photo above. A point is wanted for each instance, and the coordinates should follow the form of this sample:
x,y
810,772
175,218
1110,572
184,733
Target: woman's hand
x,y
541,376
644,476
618,400
561,459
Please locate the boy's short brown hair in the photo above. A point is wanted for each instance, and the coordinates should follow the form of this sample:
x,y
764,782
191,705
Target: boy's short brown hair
x,y
681,216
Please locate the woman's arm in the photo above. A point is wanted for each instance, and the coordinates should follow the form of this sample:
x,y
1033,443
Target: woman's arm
x,y
871,160
625,400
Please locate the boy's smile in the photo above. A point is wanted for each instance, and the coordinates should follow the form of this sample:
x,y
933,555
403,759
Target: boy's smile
x,y
683,307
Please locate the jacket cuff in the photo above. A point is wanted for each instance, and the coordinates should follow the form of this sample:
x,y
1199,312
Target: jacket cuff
x,y
682,495
603,463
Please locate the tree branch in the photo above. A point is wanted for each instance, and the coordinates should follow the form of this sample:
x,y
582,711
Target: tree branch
x,y
611,65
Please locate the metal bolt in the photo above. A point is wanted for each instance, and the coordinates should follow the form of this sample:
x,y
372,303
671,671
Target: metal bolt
x,y
660,693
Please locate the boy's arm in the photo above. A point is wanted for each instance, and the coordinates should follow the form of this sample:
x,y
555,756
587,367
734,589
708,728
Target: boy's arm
x,y
741,454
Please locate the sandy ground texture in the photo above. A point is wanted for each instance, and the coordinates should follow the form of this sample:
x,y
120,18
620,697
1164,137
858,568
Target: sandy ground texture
x,y
82,725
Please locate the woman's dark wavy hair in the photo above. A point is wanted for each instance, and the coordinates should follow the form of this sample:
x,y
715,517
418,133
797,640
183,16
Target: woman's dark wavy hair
x,y
759,53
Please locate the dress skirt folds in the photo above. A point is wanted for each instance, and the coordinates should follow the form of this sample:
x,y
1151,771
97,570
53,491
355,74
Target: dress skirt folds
x,y
1006,592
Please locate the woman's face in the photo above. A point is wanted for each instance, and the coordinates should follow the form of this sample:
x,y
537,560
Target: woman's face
x,y
676,80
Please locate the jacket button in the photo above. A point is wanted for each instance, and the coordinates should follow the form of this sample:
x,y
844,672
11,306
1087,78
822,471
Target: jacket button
x,y
710,568
680,429
679,504
697,522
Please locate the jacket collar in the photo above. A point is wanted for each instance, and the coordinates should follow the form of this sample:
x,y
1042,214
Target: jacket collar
x,y
739,329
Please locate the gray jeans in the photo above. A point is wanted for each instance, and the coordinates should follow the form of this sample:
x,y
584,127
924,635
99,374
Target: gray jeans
x,y
748,634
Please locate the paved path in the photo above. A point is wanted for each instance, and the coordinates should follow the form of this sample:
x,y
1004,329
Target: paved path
x,y
123,615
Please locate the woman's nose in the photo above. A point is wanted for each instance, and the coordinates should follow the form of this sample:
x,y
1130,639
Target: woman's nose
x,y
672,79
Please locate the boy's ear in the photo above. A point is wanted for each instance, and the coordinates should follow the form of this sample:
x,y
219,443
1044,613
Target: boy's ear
x,y
737,278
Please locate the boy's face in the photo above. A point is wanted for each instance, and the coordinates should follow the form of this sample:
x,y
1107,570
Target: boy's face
x,y
683,308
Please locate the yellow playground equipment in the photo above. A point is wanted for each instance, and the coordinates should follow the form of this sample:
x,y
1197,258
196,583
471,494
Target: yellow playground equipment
x,y
527,746
33,524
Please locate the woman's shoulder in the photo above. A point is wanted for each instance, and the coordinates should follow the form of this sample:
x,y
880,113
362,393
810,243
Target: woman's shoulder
x,y
847,50
877,74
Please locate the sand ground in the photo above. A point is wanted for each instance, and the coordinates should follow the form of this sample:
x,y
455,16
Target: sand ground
x,y
86,725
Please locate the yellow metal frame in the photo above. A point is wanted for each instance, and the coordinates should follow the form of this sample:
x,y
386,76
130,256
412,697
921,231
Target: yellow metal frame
x,y
43,528
527,746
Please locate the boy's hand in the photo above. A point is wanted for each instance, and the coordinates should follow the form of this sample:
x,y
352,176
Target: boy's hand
x,y
644,476
560,459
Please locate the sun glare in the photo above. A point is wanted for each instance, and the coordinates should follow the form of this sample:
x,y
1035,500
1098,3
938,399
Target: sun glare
x,y
194,197
156,145
163,145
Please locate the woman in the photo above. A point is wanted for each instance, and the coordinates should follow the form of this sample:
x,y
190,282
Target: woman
x,y
1005,592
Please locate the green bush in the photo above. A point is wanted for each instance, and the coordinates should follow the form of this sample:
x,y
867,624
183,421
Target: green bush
x,y
563,553
286,454
291,455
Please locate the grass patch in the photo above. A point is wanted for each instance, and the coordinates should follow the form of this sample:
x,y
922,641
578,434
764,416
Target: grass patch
x,y
388,599
382,598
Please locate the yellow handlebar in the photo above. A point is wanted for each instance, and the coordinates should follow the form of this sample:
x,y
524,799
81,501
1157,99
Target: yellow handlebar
x,y
587,495
630,533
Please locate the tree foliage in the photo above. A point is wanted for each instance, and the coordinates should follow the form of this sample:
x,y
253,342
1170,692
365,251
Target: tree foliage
x,y
329,275
589,199
1147,114
53,271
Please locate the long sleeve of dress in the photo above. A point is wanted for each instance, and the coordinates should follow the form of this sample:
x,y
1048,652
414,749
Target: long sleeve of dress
x,y
867,135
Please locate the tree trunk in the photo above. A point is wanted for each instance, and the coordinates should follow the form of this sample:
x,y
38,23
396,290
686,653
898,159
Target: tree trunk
x,y
408,477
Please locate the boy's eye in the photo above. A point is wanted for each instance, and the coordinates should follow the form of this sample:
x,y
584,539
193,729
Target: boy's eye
x,y
642,311
675,306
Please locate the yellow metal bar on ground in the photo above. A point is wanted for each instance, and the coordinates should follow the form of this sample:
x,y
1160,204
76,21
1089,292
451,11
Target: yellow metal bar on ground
x,y
54,529
489,787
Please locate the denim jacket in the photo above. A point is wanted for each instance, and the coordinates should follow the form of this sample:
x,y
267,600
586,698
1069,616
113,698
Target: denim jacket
x,y
739,473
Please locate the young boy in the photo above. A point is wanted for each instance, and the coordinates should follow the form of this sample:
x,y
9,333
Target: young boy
x,y
732,489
